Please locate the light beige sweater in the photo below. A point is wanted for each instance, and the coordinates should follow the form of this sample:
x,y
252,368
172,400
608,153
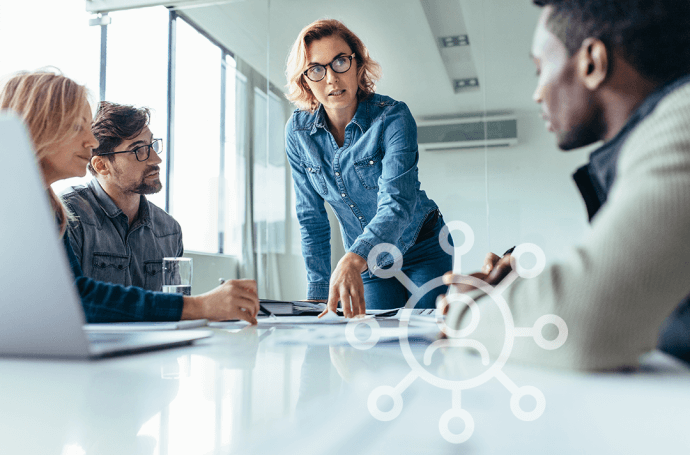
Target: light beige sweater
x,y
617,287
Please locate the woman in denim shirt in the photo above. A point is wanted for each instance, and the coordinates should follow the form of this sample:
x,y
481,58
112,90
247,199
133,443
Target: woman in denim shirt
x,y
57,114
357,150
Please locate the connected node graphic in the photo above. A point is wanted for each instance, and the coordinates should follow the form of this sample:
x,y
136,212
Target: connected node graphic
x,y
460,337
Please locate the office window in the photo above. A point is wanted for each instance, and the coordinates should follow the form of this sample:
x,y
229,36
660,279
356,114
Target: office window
x,y
137,70
194,190
235,150
269,172
72,45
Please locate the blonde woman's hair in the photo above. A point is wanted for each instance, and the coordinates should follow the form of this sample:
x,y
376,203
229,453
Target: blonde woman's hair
x,y
49,104
368,70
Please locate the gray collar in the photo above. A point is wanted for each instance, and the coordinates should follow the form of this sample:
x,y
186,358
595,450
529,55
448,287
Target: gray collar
x,y
112,210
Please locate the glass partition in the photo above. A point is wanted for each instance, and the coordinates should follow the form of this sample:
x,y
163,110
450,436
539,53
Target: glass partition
x,y
194,191
452,62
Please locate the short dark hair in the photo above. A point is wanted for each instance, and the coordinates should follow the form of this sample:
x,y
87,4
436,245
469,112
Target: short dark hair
x,y
652,35
115,123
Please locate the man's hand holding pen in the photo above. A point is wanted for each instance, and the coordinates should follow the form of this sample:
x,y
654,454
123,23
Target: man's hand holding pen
x,y
494,269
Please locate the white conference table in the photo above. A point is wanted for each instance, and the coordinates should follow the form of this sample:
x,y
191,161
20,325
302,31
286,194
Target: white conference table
x,y
244,391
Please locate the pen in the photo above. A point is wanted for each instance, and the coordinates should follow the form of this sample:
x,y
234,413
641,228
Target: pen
x,y
261,307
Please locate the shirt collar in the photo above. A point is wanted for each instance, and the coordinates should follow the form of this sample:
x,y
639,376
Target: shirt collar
x,y
361,119
319,119
596,178
112,210
362,116
643,110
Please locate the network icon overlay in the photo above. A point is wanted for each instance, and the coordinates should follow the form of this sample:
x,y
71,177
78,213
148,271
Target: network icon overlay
x,y
459,337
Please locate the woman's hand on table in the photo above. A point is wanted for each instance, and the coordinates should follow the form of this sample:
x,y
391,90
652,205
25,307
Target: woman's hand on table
x,y
346,286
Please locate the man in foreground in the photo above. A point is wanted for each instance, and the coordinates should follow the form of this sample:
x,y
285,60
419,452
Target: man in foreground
x,y
617,71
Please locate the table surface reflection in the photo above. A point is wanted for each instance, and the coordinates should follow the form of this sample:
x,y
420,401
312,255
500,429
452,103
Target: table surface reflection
x,y
246,391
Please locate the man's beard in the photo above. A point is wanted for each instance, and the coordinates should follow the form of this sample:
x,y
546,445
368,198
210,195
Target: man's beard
x,y
147,188
587,132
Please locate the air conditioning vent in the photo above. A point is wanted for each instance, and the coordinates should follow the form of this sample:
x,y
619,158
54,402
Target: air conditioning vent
x,y
467,133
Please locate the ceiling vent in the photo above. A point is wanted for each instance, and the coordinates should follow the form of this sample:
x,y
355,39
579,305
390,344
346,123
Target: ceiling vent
x,y
448,28
467,133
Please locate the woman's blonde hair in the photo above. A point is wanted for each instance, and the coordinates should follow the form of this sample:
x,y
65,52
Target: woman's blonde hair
x,y
49,104
368,70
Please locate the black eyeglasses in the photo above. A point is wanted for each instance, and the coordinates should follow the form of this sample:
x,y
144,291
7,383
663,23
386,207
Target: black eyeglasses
x,y
143,151
338,65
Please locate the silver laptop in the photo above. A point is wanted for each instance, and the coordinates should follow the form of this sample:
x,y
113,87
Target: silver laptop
x,y
40,311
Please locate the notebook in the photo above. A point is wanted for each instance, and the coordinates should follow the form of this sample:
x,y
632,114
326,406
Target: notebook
x,y
40,311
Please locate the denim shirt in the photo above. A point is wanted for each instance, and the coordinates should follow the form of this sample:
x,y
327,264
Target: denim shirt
x,y
371,182
110,250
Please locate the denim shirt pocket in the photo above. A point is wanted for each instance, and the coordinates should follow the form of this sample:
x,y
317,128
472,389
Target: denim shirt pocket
x,y
111,268
316,178
369,170
153,271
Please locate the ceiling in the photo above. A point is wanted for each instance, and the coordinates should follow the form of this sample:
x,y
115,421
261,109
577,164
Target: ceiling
x,y
399,37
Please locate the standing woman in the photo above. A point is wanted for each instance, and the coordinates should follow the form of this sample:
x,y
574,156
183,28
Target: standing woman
x,y
357,150
57,115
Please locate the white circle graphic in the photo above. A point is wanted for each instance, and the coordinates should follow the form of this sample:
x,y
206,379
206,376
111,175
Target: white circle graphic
x,y
456,226
528,248
459,337
467,383
372,260
539,338
449,435
372,403
355,342
536,412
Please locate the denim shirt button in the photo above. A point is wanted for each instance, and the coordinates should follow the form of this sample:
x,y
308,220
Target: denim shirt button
x,y
371,162
337,173
309,169
343,194
361,217
352,205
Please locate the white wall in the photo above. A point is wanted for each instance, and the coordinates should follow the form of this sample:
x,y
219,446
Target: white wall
x,y
531,194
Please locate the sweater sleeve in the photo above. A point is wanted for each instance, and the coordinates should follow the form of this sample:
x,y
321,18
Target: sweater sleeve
x,y
615,289
105,302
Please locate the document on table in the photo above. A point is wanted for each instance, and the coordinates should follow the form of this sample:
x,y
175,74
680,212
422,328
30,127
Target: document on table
x,y
332,335
327,319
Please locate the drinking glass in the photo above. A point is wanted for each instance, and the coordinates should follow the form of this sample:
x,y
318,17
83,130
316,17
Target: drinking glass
x,y
177,275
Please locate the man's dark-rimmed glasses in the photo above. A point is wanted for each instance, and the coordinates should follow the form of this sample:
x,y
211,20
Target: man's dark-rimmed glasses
x,y
340,64
143,152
